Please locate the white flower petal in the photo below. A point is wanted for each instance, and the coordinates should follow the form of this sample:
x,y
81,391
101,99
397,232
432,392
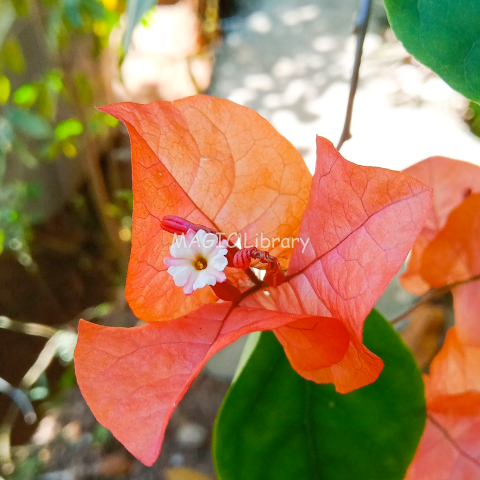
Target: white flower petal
x,y
181,275
202,280
191,248
218,262
180,249
188,288
208,244
177,262
219,276
193,241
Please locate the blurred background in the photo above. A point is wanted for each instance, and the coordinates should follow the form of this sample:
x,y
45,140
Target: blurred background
x,y
65,186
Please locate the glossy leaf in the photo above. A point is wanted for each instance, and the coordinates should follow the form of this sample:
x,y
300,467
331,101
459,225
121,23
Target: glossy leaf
x,y
449,448
133,378
452,181
211,162
358,227
276,425
444,35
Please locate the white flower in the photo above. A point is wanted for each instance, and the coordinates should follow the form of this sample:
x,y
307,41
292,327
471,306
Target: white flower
x,y
198,259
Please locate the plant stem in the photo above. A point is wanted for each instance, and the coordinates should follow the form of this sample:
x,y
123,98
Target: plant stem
x,y
41,364
29,328
434,293
361,24
21,400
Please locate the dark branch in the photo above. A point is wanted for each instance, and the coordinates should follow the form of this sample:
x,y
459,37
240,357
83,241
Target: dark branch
x,y
434,293
361,24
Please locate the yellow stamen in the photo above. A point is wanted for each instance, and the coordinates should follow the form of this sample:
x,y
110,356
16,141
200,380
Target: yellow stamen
x,y
200,264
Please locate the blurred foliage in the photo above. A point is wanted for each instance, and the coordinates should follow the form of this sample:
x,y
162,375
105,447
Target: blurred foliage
x,y
136,10
101,435
43,104
473,118
28,469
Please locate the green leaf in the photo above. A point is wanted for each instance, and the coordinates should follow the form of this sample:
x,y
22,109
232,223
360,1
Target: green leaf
x,y
2,239
473,118
136,9
24,154
29,123
12,52
5,88
95,9
444,35
21,7
275,425
26,95
72,11
7,18
6,140
53,79
69,128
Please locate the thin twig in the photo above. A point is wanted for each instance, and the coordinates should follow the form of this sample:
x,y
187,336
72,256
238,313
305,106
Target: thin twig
x,y
361,24
41,364
35,329
21,399
434,293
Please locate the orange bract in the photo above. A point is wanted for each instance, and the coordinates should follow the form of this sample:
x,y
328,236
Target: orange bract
x,y
133,378
452,181
215,163
449,447
448,251
361,223
211,162
454,254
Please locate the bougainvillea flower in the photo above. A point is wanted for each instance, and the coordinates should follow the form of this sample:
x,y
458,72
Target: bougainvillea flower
x,y
452,181
450,447
212,163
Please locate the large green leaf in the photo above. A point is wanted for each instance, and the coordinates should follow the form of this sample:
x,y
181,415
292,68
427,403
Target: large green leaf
x,y
274,425
444,35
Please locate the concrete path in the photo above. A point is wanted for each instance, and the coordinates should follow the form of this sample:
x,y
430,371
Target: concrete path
x,y
292,60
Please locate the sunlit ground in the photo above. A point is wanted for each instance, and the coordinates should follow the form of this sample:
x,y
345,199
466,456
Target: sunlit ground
x,y
292,61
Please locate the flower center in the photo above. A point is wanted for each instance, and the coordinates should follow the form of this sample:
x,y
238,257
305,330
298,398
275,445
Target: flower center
x,y
201,263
